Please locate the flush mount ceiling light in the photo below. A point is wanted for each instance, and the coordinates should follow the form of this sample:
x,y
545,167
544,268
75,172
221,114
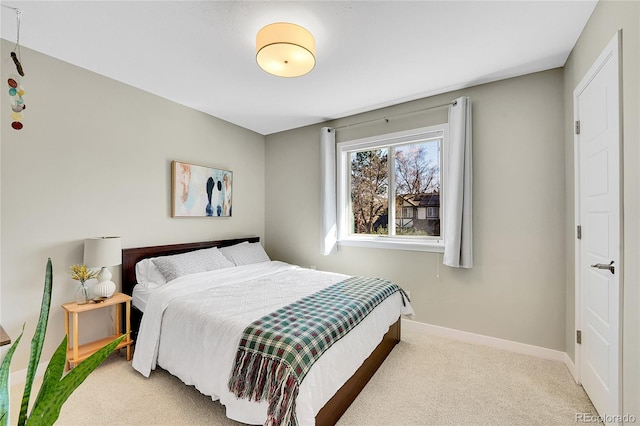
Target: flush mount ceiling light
x,y
285,50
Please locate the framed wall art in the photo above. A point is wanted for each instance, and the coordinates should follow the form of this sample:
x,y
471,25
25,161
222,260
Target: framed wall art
x,y
199,191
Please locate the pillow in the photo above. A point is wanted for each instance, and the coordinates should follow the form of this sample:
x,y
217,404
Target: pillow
x,y
192,262
148,274
245,253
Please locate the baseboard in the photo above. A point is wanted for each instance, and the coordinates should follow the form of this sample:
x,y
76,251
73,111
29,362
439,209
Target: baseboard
x,y
493,342
572,367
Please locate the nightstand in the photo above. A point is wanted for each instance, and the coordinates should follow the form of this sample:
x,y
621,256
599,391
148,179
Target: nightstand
x,y
75,352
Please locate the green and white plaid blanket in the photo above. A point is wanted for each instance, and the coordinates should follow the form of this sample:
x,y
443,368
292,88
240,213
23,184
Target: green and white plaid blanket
x,y
277,351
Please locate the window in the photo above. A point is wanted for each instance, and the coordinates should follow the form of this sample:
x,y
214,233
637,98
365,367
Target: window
x,y
407,212
389,190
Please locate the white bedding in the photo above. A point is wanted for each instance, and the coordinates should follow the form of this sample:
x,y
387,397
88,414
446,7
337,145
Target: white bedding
x,y
218,305
140,295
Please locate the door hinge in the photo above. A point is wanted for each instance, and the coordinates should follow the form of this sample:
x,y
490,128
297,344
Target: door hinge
x,y
579,337
579,232
577,127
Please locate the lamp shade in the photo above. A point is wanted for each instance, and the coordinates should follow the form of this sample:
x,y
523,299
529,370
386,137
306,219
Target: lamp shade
x,y
102,251
285,50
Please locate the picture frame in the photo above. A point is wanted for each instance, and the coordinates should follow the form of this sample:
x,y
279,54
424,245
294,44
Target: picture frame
x,y
200,191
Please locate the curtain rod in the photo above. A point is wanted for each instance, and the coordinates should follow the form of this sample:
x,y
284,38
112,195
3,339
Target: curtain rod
x,y
386,118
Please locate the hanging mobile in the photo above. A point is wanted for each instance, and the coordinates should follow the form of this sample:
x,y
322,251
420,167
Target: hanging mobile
x,y
17,62
15,88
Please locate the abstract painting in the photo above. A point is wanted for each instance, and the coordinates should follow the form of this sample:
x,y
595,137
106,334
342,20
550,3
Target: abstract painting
x,y
199,191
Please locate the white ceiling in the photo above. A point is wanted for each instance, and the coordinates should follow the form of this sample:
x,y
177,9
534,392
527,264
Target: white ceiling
x,y
370,54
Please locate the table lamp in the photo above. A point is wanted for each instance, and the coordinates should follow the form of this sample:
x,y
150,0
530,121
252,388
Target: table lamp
x,y
102,252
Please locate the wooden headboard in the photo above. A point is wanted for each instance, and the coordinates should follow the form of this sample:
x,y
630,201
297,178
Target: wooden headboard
x,y
131,256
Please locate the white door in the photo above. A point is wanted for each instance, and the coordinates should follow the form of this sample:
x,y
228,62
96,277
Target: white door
x,y
598,252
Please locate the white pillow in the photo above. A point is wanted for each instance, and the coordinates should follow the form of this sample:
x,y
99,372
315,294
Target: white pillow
x,y
191,262
245,253
148,274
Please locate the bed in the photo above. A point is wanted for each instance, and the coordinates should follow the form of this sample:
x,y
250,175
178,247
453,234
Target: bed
x,y
333,381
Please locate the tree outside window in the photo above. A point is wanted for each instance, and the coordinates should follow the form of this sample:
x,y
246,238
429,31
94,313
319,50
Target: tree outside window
x,y
370,191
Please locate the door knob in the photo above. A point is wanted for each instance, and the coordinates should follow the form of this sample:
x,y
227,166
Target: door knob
x,y
610,266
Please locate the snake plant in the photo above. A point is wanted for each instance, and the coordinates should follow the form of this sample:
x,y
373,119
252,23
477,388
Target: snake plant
x,y
55,388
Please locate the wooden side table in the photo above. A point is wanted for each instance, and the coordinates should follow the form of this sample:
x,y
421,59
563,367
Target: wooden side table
x,y
77,353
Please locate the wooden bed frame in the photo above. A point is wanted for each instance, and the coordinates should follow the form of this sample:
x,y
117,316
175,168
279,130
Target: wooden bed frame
x,y
338,404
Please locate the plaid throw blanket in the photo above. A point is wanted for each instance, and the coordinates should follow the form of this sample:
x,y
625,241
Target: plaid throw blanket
x,y
277,351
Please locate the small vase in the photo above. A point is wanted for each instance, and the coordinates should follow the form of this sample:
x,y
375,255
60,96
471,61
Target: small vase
x,y
82,294
104,289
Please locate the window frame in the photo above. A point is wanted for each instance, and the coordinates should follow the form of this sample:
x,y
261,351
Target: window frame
x,y
343,175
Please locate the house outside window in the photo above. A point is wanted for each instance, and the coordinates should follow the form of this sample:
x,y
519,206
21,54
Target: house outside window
x,y
423,210
403,170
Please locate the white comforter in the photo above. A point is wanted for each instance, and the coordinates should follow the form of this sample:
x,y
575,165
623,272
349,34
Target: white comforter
x,y
192,326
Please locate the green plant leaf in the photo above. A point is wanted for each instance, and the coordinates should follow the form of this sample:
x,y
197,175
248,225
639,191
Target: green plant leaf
x,y
48,404
4,382
37,342
54,372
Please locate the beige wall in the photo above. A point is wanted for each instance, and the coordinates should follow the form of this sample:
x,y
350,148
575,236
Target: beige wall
x,y
94,159
516,289
607,18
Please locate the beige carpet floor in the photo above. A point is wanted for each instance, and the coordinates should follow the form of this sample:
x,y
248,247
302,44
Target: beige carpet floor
x,y
427,380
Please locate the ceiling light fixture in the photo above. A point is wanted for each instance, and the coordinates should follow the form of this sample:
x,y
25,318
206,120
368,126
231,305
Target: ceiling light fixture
x,y
285,50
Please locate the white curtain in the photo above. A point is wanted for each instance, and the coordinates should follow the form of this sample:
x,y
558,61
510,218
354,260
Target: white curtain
x,y
328,190
458,250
